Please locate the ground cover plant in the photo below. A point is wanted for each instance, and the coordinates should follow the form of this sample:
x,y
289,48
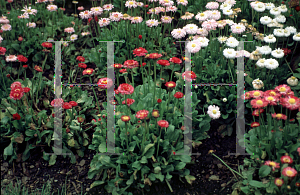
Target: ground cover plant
x,y
149,101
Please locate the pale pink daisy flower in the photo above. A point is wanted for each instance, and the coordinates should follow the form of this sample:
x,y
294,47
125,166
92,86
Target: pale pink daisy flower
x,y
231,2
6,27
171,8
182,2
131,4
158,10
29,10
4,20
104,22
152,0
166,3
193,46
178,33
242,53
1,39
24,16
65,44
52,8
31,24
201,17
187,16
152,11
203,41
166,19
202,32
108,7
221,24
11,58
151,23
212,5
69,30
209,24
238,28
73,37
136,20
191,28
85,33
229,22
86,14
139,4
116,16
80,8
96,10
215,14
162,9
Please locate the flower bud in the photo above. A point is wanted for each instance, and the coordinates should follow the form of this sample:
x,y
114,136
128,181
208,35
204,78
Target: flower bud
x,y
292,81
257,84
20,39
224,99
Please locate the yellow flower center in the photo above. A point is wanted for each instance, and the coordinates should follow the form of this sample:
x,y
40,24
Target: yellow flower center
x,y
278,115
179,31
289,172
214,112
166,18
293,78
282,89
256,93
270,98
193,45
238,27
152,22
286,160
292,101
88,71
259,102
272,164
279,182
181,1
272,93
131,3
202,14
104,82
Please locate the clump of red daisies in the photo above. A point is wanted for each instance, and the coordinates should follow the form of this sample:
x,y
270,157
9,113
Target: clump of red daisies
x,y
281,95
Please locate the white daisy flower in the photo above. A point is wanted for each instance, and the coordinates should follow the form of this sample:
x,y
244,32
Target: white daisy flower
x,y
203,41
6,27
269,6
280,18
277,53
286,32
225,6
259,7
73,37
296,37
271,64
278,32
29,10
229,53
292,29
232,42
191,28
139,4
201,16
283,8
270,39
227,12
214,112
31,25
178,33
275,11
265,50
261,62
193,46
52,8
131,4
222,39
265,20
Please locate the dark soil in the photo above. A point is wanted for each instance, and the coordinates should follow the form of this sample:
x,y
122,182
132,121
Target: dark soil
x,y
35,171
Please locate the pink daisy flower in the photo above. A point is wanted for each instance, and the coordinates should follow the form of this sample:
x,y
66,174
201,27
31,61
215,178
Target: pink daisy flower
x,y
131,4
166,19
108,7
212,5
182,2
136,20
69,30
104,22
171,8
96,10
178,33
116,16
151,23
85,15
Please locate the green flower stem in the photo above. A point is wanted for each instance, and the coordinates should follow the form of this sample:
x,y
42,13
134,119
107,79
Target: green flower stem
x,y
289,66
96,95
168,101
142,67
227,165
229,67
40,79
172,72
154,87
158,141
126,127
144,136
132,79
3,77
176,104
118,78
161,69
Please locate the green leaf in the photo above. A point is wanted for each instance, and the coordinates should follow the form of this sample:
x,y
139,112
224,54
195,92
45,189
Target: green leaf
x,y
190,179
264,171
52,159
137,165
97,183
71,142
160,177
144,160
45,157
8,151
256,184
147,148
102,147
180,166
15,46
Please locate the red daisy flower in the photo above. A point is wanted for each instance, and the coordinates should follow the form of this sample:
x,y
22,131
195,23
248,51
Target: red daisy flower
x,y
2,50
163,123
279,182
258,103
125,89
22,58
279,116
129,101
246,96
66,105
170,84
131,64
57,102
256,94
286,159
118,66
26,89
82,65
154,55
178,95
159,101
272,100
123,71
163,62
289,172
125,118
47,45
290,102
255,124
80,58
256,112
142,114
283,89
88,71
139,52
38,68
105,83
175,60
73,103
16,116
